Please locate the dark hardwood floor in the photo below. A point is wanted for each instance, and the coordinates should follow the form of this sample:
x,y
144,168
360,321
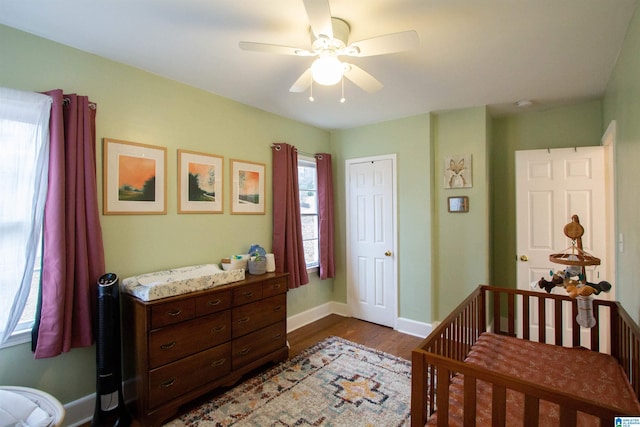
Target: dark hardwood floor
x,y
369,334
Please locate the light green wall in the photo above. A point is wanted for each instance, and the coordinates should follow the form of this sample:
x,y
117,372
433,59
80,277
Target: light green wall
x,y
137,106
571,126
622,103
461,240
409,139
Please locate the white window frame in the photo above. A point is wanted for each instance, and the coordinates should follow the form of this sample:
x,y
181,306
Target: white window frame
x,y
308,161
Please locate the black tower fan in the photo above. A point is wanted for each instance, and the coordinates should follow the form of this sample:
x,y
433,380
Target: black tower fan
x,y
110,407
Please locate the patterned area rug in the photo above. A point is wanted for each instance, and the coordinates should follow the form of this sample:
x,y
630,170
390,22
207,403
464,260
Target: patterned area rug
x,y
334,383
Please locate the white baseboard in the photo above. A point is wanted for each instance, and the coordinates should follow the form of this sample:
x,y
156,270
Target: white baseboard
x,y
80,411
413,327
316,313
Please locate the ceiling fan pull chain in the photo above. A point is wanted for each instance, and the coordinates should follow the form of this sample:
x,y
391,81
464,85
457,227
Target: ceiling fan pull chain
x,y
342,100
311,91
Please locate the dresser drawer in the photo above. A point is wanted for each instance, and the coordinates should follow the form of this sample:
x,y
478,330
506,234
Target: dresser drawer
x,y
274,287
247,294
253,346
257,315
173,342
212,303
172,312
177,378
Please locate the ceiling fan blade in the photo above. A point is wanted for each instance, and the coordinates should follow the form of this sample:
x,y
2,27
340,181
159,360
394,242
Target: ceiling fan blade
x,y
363,79
319,15
388,43
274,48
303,82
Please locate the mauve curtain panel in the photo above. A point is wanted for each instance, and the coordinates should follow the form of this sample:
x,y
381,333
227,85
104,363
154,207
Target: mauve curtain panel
x,y
325,215
73,252
287,228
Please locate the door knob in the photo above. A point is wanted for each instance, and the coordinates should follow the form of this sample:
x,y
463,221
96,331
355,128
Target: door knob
x,y
524,258
388,253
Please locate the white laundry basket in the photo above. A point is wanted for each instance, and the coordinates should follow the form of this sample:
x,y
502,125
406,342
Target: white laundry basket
x,y
45,401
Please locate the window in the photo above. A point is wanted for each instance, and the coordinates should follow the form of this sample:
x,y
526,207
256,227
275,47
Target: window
x,y
12,223
308,190
24,122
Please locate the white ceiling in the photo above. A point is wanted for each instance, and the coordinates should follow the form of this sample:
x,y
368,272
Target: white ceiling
x,y
472,53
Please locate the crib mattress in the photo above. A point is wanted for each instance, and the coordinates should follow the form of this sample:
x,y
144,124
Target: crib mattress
x,y
579,371
177,281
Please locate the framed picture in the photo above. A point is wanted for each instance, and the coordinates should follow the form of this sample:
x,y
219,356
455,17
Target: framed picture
x,y
199,182
247,187
134,178
457,172
458,204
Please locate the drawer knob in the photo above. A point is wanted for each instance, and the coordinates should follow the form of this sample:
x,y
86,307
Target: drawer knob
x,y
168,346
276,286
219,329
276,336
244,351
247,294
168,384
175,313
215,302
244,320
218,362
278,308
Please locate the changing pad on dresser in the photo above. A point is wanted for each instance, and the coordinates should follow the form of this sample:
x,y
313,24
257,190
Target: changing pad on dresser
x,y
177,281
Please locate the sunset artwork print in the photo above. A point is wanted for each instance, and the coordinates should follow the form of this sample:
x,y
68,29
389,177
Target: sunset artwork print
x,y
199,183
202,182
136,179
247,187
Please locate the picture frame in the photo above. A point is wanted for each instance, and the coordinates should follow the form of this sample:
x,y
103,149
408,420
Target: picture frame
x,y
247,187
458,172
459,204
134,178
200,182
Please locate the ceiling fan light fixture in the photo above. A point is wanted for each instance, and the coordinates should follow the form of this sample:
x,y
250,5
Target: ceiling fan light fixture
x,y
327,70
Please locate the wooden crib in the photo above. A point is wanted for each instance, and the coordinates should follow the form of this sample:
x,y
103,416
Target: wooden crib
x,y
467,371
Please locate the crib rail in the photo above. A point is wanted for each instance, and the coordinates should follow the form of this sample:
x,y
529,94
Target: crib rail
x,y
440,355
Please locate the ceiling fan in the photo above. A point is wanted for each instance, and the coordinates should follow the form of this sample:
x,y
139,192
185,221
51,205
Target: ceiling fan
x,y
330,41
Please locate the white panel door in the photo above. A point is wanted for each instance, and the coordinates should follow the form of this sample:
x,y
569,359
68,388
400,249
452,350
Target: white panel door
x,y
551,186
371,264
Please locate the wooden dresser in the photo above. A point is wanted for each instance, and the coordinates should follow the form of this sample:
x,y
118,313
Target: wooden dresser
x,y
178,348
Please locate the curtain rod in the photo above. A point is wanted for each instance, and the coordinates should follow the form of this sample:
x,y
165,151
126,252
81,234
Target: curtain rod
x,y
66,101
317,156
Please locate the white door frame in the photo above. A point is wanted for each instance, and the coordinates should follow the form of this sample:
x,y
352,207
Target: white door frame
x,y
349,281
609,142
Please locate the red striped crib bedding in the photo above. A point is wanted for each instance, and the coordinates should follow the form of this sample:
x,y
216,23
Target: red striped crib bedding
x,y
579,371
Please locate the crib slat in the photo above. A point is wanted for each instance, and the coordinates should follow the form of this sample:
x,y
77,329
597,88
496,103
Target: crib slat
x,y
568,417
634,360
595,335
469,401
498,406
442,396
542,320
557,322
531,411
512,314
526,316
